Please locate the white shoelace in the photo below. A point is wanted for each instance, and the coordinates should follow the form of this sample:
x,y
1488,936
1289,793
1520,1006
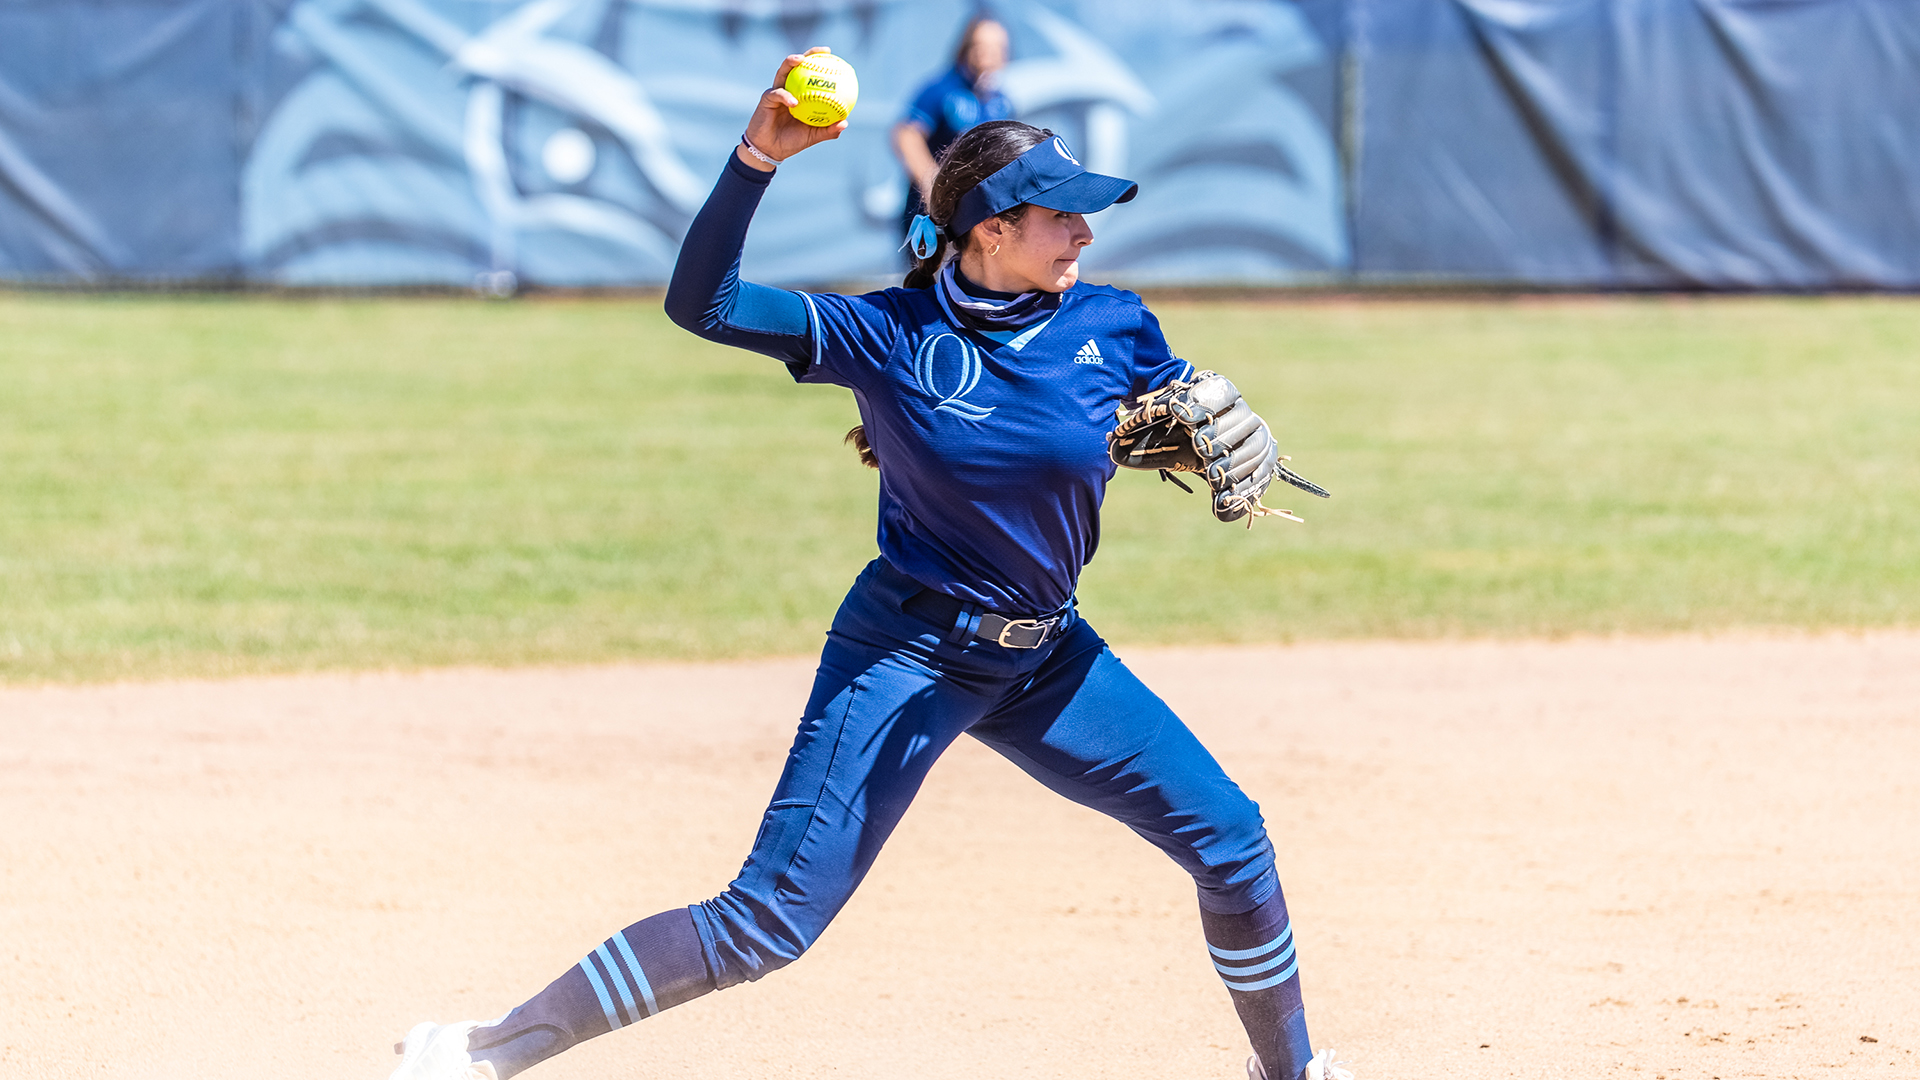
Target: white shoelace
x,y
1323,1067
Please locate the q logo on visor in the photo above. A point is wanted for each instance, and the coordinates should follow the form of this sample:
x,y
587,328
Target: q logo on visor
x,y
948,373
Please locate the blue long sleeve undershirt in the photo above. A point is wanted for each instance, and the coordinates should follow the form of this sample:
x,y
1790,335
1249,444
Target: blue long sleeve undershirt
x,y
707,296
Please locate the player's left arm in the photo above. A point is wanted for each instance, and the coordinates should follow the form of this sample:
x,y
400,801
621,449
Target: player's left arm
x,y
1154,364
1184,420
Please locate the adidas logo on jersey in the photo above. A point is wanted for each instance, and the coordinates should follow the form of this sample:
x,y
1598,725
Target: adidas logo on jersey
x,y
1089,354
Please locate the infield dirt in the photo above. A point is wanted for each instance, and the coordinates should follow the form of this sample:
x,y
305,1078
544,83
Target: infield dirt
x,y
1660,859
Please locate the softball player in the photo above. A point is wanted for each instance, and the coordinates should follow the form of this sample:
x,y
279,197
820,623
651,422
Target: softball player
x,y
986,387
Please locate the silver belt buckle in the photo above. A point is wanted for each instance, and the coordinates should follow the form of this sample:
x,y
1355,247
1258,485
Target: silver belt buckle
x,y
1024,624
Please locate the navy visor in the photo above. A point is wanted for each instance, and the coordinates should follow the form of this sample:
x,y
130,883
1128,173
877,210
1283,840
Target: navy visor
x,y
1047,175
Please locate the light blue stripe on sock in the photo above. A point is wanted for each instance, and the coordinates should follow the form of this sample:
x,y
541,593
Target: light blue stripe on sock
x,y
639,974
600,988
1276,980
1241,972
1248,954
619,981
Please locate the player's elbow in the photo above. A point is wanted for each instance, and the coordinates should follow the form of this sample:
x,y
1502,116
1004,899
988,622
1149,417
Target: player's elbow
x,y
688,309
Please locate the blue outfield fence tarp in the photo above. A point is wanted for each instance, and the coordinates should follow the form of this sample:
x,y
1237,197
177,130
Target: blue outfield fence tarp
x,y
119,147
1640,143
1769,144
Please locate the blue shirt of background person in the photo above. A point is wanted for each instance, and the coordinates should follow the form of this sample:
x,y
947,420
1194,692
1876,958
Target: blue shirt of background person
x,y
953,103
964,96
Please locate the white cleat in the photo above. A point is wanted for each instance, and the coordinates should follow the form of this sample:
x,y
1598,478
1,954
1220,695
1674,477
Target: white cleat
x,y
439,1052
1322,1067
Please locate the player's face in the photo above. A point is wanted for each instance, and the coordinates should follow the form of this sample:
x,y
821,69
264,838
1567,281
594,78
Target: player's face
x,y
987,52
1043,251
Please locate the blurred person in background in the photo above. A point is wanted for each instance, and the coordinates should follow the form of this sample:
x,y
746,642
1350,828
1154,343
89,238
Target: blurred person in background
x,y
964,95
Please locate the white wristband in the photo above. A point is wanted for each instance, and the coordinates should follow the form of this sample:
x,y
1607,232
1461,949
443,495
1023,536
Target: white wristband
x,y
755,151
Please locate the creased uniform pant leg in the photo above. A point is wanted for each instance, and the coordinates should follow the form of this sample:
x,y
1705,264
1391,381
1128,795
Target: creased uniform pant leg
x,y
1088,728
878,718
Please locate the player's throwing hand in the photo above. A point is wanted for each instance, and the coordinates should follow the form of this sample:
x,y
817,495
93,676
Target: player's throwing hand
x,y
773,130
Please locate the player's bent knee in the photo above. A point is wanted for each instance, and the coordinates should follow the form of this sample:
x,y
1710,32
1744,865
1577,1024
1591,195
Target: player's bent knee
x,y
1236,868
749,937
742,947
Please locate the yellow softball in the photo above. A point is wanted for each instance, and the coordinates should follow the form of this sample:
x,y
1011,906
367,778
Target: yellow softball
x,y
826,87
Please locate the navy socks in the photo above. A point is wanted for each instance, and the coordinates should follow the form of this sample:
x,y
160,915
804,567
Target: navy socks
x,y
658,963
654,964
1253,952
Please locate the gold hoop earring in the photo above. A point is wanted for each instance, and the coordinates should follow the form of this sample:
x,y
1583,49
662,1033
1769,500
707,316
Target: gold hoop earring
x,y
995,251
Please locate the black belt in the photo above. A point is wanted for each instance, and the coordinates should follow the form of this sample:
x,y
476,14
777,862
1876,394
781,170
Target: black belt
x,y
943,610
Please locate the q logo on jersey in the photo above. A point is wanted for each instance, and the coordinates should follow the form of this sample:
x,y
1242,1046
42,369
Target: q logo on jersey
x,y
947,373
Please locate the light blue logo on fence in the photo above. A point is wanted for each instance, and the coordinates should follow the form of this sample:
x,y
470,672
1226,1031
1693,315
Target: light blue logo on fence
x,y
570,142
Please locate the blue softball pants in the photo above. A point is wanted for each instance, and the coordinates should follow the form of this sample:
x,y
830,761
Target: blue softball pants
x,y
892,692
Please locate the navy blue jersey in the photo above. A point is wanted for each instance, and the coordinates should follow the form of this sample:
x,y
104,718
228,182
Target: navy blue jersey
x,y
992,447
951,104
993,454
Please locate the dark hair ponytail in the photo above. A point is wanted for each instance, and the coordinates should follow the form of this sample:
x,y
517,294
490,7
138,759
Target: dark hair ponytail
x,y
978,153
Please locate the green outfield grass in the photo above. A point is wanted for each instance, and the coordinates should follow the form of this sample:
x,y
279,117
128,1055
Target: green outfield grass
x,y
213,485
